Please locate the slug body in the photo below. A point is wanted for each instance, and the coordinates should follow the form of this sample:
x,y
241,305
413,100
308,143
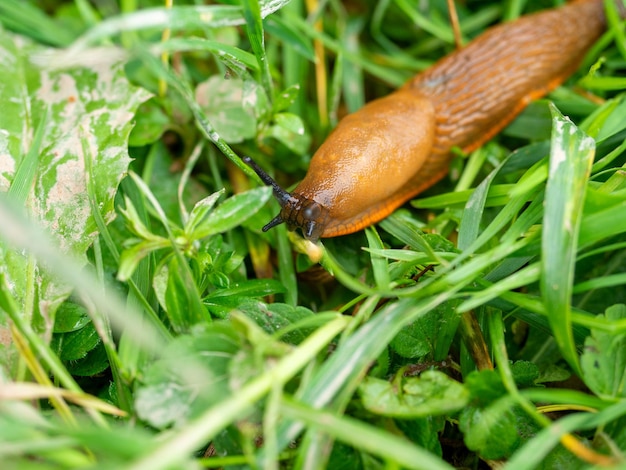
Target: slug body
x,y
397,146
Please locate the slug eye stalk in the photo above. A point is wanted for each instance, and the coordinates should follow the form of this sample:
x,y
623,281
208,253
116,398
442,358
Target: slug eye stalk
x,y
297,211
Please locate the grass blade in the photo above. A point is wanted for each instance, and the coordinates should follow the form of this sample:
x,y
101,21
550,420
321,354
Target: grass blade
x,y
570,164
354,432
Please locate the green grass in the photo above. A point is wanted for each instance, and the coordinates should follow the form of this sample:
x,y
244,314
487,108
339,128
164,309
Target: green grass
x,y
146,322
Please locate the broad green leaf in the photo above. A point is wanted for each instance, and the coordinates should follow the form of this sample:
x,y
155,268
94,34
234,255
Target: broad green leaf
x,y
75,344
250,288
94,362
429,336
221,301
553,373
496,431
151,122
201,209
70,317
232,212
176,298
485,386
163,404
84,114
425,432
192,375
414,340
344,457
571,157
275,317
525,373
432,393
603,361
286,98
231,113
289,129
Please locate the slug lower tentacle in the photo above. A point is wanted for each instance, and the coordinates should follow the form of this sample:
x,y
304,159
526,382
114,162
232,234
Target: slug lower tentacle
x,y
399,145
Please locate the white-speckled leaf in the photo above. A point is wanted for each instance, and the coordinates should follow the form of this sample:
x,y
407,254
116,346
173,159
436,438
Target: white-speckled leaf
x,y
83,115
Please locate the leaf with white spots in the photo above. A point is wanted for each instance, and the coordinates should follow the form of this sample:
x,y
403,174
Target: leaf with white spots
x,y
63,147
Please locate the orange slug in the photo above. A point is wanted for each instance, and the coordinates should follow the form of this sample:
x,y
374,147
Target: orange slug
x,y
397,146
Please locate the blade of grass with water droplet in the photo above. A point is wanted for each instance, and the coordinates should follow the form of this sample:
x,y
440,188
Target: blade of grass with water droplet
x,y
254,23
571,157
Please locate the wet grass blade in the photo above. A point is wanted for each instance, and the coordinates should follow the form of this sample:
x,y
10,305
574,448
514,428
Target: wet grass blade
x,y
571,157
254,23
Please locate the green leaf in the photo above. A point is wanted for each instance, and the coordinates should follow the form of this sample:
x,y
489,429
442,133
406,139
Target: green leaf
x,y
286,98
70,317
233,212
431,336
424,431
200,211
431,394
571,157
250,288
222,301
151,122
232,117
372,439
75,344
525,373
83,116
191,375
414,341
485,386
344,457
603,361
176,298
95,362
163,404
289,129
135,222
496,431
290,122
130,258
275,317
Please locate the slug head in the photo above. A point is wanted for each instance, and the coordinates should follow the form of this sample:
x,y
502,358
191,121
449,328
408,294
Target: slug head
x,y
297,211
